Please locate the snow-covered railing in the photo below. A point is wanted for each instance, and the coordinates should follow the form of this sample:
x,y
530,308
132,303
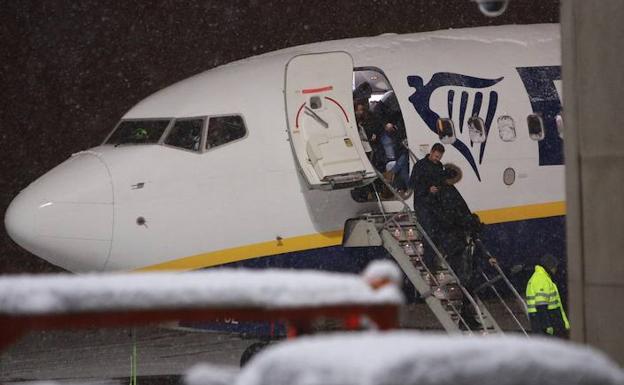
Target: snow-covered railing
x,y
108,300
411,358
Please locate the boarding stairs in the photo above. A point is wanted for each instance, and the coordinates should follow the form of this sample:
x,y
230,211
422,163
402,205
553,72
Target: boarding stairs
x,y
435,282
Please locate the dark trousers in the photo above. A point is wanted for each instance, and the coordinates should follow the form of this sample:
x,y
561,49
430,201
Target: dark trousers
x,y
427,220
544,318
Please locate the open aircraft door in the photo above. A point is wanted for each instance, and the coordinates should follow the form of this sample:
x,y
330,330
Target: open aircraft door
x,y
321,121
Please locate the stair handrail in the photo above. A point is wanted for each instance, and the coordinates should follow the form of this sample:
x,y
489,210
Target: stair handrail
x,y
500,298
504,278
411,153
379,203
407,209
447,266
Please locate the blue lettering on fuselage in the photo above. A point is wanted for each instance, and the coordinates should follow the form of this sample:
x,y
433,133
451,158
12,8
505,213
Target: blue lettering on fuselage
x,y
540,86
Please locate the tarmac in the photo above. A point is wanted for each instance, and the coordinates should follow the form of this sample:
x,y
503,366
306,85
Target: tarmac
x,y
164,354
104,355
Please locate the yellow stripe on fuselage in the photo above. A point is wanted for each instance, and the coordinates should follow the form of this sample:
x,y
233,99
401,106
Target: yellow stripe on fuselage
x,y
334,238
520,213
263,249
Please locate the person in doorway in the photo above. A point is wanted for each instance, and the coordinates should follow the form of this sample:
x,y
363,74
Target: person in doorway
x,y
365,128
544,304
397,157
369,129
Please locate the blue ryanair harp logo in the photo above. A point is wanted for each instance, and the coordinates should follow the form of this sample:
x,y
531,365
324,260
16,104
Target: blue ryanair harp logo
x,y
421,99
541,91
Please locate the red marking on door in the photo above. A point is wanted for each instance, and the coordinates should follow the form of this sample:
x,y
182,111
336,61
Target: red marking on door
x,y
341,108
298,113
317,90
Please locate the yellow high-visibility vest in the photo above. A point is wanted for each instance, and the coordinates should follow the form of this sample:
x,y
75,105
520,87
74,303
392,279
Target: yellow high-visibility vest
x,y
541,290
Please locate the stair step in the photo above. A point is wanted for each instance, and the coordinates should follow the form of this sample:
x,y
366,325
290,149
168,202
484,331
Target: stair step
x,y
441,290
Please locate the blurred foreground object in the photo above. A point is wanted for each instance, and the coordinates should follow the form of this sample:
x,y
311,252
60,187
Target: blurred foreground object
x,y
410,358
109,300
593,80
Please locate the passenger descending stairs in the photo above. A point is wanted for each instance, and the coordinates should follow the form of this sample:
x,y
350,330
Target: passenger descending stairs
x,y
404,238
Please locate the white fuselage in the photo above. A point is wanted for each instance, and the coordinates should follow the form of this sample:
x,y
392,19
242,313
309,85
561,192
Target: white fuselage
x,y
247,199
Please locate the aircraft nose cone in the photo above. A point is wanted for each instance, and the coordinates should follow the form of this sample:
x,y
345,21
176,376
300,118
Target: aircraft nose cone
x,y
66,216
19,218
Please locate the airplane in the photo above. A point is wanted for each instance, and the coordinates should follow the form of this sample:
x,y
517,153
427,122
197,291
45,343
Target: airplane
x,y
255,163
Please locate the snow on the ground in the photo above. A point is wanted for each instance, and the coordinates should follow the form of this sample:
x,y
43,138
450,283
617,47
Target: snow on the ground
x,y
208,374
65,382
267,288
410,358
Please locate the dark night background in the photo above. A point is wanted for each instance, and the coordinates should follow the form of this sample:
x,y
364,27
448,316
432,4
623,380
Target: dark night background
x,y
70,69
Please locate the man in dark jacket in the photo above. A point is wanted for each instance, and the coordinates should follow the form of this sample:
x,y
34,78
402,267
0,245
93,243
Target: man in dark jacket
x,y
457,223
427,177
459,229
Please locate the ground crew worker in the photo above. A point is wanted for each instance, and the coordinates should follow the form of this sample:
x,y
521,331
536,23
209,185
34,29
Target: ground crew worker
x,y
544,304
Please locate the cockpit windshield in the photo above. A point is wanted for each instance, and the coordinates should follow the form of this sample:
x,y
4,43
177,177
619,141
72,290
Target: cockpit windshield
x,y
138,131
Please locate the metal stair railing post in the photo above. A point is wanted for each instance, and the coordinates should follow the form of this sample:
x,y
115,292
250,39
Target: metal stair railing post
x,y
516,320
379,203
514,291
489,316
474,297
411,153
469,251
406,208
505,279
501,276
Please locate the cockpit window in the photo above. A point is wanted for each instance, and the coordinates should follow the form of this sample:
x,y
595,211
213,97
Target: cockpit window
x,y
224,129
186,134
138,131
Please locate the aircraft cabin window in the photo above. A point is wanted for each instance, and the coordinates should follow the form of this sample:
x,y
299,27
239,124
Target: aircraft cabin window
x,y
446,130
559,122
506,128
224,129
536,127
476,129
138,131
186,134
